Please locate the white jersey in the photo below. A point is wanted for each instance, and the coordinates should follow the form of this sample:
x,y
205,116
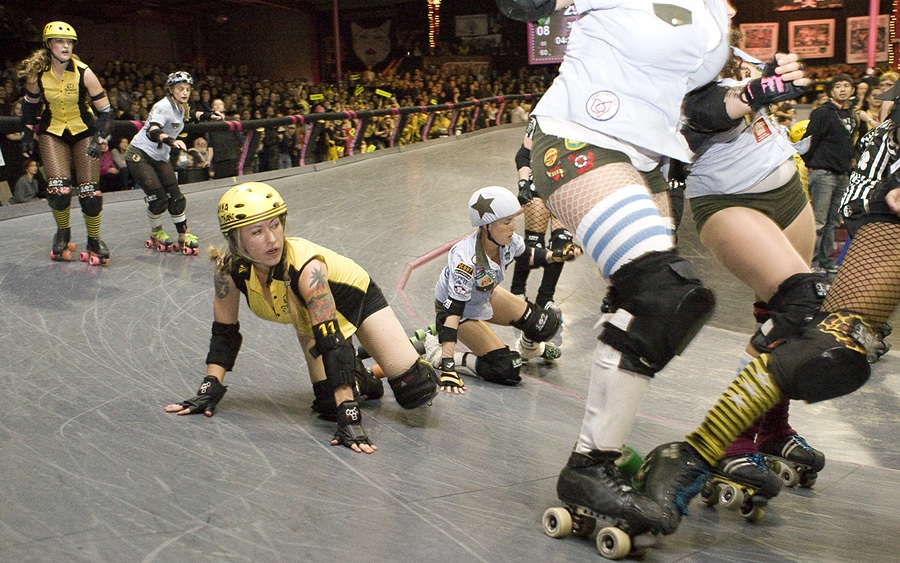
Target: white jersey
x,y
627,68
471,276
167,115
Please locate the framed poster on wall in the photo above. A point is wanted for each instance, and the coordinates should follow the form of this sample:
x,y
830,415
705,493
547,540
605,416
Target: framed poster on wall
x,y
784,5
858,39
760,40
811,39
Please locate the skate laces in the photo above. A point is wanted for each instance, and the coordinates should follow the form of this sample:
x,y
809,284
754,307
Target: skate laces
x,y
799,441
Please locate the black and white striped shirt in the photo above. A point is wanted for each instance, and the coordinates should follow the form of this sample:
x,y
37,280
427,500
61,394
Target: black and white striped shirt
x,y
877,158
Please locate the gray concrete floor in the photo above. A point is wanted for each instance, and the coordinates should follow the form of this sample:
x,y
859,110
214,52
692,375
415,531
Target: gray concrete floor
x,y
94,470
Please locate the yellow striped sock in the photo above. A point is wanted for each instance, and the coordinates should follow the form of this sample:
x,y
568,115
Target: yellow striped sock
x,y
62,218
751,394
92,222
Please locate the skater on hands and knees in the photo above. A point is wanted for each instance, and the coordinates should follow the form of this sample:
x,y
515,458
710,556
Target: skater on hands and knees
x,y
149,162
537,219
609,119
468,296
75,115
327,297
830,355
752,213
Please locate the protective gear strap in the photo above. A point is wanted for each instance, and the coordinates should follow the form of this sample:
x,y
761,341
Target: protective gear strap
x,y
338,355
29,111
153,133
99,96
769,89
224,344
447,334
537,324
526,10
795,303
538,257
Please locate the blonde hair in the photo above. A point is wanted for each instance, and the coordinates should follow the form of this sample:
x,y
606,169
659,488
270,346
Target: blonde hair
x,y
226,260
32,67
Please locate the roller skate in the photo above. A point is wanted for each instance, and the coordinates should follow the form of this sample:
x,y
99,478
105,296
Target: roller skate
x,y
544,350
62,249
190,245
792,458
742,483
557,338
161,241
672,475
97,253
593,489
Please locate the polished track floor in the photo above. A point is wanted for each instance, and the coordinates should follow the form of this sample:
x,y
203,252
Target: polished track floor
x,y
94,470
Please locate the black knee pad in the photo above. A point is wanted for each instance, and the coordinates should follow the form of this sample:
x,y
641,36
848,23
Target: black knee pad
x,y
59,202
534,239
416,386
157,202
91,199
560,239
538,324
178,205
499,366
790,310
830,359
668,305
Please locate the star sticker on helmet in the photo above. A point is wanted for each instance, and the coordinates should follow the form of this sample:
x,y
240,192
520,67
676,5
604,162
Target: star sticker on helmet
x,y
483,205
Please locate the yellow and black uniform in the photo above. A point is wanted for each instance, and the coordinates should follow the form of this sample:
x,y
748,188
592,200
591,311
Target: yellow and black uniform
x,y
66,102
356,296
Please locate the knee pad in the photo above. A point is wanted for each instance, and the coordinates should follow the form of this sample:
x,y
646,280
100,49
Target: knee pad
x,y
659,306
177,205
157,202
537,324
59,187
500,366
534,239
91,199
787,313
416,386
59,201
830,359
560,239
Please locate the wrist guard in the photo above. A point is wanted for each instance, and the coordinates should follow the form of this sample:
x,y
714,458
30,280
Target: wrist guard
x,y
27,142
769,89
224,344
350,430
208,396
526,191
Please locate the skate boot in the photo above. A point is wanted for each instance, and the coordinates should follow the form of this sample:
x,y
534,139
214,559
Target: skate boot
x,y
96,254
793,459
62,249
365,383
544,350
672,475
161,241
592,488
743,483
190,245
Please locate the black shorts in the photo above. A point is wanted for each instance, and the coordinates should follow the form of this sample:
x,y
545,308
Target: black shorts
x,y
782,205
372,302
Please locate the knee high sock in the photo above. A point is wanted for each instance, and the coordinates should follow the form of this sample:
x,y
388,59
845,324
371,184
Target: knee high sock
x,y
750,395
745,443
61,216
612,402
92,222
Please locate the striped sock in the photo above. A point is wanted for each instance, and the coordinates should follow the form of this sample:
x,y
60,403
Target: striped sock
x,y
61,216
750,395
622,227
92,222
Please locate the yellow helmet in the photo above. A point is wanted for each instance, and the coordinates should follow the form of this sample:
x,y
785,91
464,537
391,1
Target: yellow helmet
x,y
798,130
249,203
59,30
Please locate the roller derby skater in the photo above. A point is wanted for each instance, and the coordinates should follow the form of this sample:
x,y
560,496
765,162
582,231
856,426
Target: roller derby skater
x,y
75,115
468,296
327,298
537,220
148,161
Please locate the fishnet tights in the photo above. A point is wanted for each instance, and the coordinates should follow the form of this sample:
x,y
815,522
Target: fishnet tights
x,y
868,282
57,157
571,202
536,215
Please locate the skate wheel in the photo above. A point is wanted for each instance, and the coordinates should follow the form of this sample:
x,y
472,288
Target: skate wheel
x,y
709,494
789,475
83,257
613,543
420,335
196,252
71,247
731,497
187,251
94,260
420,347
176,247
583,526
148,243
752,513
629,462
808,479
557,522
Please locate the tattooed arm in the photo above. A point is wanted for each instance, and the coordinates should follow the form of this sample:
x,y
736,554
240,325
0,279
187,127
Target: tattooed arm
x,y
226,305
316,292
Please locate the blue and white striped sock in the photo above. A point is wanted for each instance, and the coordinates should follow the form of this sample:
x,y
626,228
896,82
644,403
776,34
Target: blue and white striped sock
x,y
622,227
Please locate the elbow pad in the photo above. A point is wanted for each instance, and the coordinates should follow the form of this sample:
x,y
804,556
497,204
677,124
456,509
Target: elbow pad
x,y
29,111
153,134
104,121
224,344
523,158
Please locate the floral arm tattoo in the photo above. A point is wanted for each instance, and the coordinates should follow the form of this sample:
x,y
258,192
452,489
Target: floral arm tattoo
x,y
318,296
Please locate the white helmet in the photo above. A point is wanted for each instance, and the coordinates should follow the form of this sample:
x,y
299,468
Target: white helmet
x,y
492,204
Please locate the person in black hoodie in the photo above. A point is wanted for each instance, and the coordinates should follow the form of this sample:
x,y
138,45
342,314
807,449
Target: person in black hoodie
x,y
832,130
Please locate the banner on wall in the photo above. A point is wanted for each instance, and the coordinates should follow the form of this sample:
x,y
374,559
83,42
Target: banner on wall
x,y
760,40
811,39
858,39
785,5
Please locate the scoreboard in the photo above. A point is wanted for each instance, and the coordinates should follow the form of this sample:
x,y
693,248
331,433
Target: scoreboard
x,y
547,38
